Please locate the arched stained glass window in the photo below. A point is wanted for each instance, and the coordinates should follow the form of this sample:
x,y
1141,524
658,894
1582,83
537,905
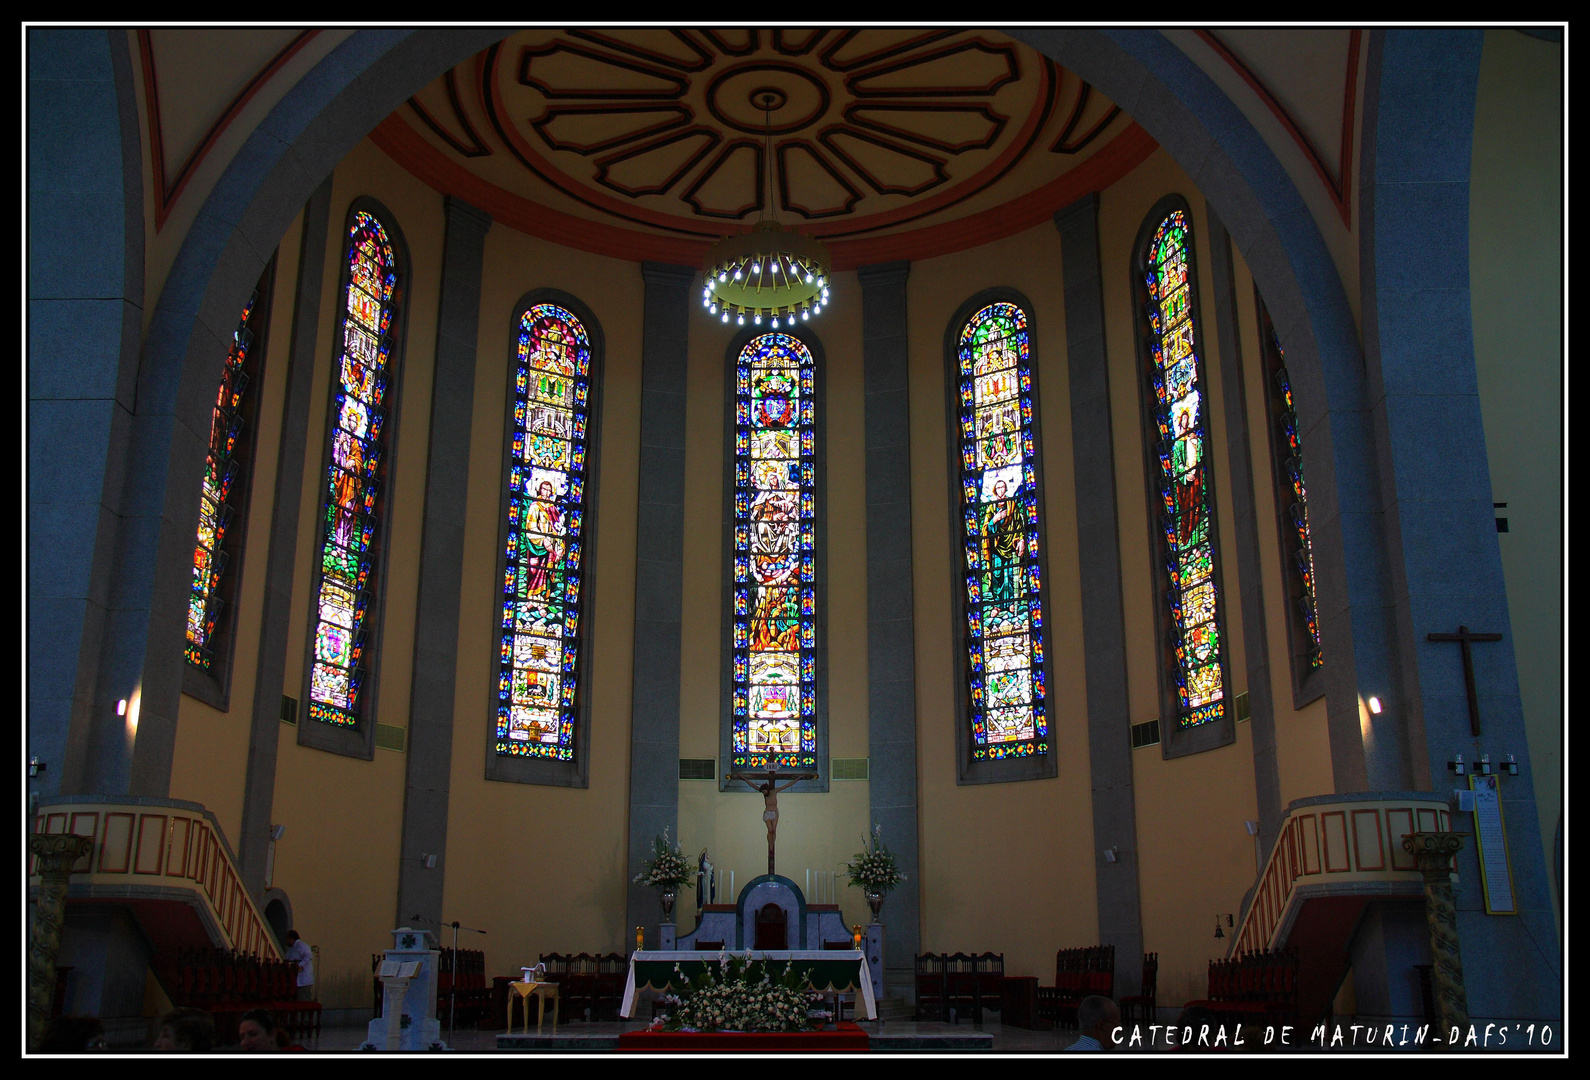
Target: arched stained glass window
x,y
351,507
538,675
1180,444
222,469
774,686
1292,497
1007,700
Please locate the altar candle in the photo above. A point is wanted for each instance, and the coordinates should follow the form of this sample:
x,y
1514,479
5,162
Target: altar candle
x,y
808,882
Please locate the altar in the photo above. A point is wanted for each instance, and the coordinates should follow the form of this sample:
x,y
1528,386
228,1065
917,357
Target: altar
x,y
827,971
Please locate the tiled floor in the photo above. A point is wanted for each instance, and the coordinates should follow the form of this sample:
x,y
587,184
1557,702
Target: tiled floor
x,y
1011,1040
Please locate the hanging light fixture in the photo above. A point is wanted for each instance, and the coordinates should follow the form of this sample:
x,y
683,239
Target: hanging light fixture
x,y
768,273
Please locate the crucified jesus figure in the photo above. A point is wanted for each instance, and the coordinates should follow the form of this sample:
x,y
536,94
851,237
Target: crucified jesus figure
x,y
769,787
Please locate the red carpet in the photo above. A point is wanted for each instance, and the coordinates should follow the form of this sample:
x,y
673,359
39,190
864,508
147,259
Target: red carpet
x,y
848,1037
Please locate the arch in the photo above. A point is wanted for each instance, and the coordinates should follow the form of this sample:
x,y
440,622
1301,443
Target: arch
x,y
775,537
278,912
1002,574
563,616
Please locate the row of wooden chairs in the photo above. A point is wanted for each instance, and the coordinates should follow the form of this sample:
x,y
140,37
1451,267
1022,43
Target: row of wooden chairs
x,y
203,978
1257,985
968,983
1078,973
588,981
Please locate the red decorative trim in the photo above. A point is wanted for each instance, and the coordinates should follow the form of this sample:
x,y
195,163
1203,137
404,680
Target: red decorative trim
x,y
118,860
1061,146
1399,823
1114,160
1359,849
154,839
1326,853
177,859
169,189
1339,188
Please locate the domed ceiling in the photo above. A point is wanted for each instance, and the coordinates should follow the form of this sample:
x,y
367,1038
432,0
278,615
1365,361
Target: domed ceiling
x,y
654,143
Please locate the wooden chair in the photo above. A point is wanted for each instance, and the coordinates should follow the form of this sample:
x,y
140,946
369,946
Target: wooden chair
x,y
1143,1007
772,927
929,985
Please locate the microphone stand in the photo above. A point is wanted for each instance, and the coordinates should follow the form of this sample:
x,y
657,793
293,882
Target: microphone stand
x,y
452,988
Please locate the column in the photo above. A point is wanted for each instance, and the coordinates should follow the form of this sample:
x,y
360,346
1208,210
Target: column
x,y
56,855
659,577
430,735
1103,624
1434,852
891,640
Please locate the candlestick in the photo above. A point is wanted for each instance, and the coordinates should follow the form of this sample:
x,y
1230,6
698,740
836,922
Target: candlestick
x,y
640,938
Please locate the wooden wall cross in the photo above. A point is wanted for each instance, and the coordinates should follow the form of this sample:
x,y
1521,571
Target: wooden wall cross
x,y
1464,638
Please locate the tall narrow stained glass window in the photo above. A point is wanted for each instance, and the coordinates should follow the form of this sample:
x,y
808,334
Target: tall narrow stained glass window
x,y
221,474
538,678
348,521
1181,416
1292,494
774,623
1000,517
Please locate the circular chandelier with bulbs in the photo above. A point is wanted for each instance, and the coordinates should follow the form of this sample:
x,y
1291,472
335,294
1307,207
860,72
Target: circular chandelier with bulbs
x,y
770,272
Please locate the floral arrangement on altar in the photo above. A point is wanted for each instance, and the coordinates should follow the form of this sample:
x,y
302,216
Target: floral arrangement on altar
x,y
740,996
667,869
874,869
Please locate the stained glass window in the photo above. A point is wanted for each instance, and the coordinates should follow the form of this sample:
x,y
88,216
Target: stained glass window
x,y
775,599
1000,537
348,522
1293,493
221,468
538,676
1181,415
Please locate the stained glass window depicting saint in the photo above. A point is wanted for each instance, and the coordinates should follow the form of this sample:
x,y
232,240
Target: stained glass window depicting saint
x,y
1008,706
774,622
538,682
348,521
1181,417
221,469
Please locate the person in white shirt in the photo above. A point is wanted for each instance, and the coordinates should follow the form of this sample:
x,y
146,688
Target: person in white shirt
x,y
1097,1017
299,953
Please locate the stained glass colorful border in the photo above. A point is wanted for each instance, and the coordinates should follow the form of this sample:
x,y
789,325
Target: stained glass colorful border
x,y
1000,514
773,629
538,669
221,468
349,514
1186,521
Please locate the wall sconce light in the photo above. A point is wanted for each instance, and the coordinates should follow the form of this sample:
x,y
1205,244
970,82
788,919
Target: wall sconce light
x,y
428,861
121,707
1482,767
1374,705
1252,827
277,830
1111,853
1510,767
35,766
1456,765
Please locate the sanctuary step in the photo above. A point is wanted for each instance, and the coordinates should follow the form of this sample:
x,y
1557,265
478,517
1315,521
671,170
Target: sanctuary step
x,y
894,1009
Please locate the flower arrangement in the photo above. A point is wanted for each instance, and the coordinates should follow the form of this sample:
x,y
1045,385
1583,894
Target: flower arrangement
x,y
874,868
740,996
667,869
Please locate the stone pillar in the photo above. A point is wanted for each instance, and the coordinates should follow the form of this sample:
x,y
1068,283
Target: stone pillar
x,y
428,767
891,624
659,576
55,854
1103,621
1434,852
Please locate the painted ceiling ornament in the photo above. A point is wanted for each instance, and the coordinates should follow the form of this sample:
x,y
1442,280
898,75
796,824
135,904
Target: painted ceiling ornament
x,y
770,272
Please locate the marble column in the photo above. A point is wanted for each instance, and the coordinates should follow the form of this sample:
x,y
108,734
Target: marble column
x,y
56,855
891,640
1434,852
659,577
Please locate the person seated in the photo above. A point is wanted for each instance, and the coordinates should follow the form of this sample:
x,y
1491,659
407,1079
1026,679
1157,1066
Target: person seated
x,y
185,1031
256,1032
1097,1019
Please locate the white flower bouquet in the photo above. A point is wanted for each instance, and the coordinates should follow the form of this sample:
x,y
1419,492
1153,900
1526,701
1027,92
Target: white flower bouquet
x,y
740,995
874,868
667,869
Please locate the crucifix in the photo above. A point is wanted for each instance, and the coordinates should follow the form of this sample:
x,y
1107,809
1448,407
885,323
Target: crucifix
x,y
1463,637
770,787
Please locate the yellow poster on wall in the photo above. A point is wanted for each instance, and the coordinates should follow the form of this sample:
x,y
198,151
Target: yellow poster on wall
x,y
1490,836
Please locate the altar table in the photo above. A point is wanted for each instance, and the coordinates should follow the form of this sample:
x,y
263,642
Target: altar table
x,y
540,991
845,1038
830,971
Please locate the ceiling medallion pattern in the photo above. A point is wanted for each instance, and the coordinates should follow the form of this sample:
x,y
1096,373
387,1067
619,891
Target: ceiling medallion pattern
x,y
869,128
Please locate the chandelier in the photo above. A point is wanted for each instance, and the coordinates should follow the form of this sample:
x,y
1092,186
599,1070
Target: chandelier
x,y
770,272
